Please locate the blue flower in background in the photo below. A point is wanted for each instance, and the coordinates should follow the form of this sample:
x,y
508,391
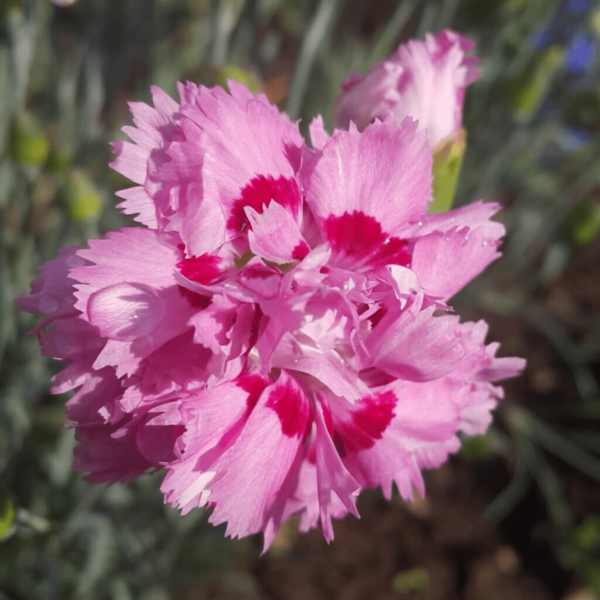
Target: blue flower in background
x,y
542,39
563,27
577,5
575,139
580,53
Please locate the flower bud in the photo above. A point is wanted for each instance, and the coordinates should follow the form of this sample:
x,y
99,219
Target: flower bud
x,y
423,80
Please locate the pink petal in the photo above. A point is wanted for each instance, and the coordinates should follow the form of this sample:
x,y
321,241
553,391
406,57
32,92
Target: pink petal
x,y
212,326
303,500
332,476
137,202
96,391
252,152
474,216
357,239
274,235
423,80
256,467
157,436
125,311
262,281
318,136
109,453
380,179
52,292
201,223
326,367
131,296
163,103
504,368
131,161
70,339
214,419
365,98
412,344
446,262
202,269
181,363
386,446
132,255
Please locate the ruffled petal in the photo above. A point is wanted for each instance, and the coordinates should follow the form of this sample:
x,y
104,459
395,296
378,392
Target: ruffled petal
x,y
255,468
333,479
52,292
412,344
252,152
365,187
382,438
214,419
446,262
423,80
137,202
109,453
130,296
274,235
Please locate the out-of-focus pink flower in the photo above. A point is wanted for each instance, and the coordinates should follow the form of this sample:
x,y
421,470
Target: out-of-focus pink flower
x,y
423,80
277,337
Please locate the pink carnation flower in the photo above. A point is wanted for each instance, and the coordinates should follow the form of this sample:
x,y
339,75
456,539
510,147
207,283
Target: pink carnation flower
x,y
278,336
423,80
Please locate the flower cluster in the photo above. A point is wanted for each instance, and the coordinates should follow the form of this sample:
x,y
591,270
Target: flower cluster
x,y
277,335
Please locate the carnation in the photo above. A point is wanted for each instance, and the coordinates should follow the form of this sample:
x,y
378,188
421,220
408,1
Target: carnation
x,y
424,80
277,335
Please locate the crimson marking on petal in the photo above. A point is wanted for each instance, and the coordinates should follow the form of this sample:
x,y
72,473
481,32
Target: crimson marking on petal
x,y
328,419
260,191
300,251
196,300
259,272
367,424
255,328
254,332
360,236
374,377
376,317
254,385
394,251
339,444
291,409
202,269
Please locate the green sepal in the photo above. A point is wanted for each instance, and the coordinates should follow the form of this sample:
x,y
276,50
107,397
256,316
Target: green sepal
x,y
447,161
7,514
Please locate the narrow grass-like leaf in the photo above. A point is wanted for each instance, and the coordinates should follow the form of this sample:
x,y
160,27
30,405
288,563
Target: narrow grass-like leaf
x,y
511,495
317,30
563,448
386,40
7,514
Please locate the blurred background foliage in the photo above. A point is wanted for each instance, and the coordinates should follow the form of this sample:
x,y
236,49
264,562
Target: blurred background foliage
x,y
66,72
